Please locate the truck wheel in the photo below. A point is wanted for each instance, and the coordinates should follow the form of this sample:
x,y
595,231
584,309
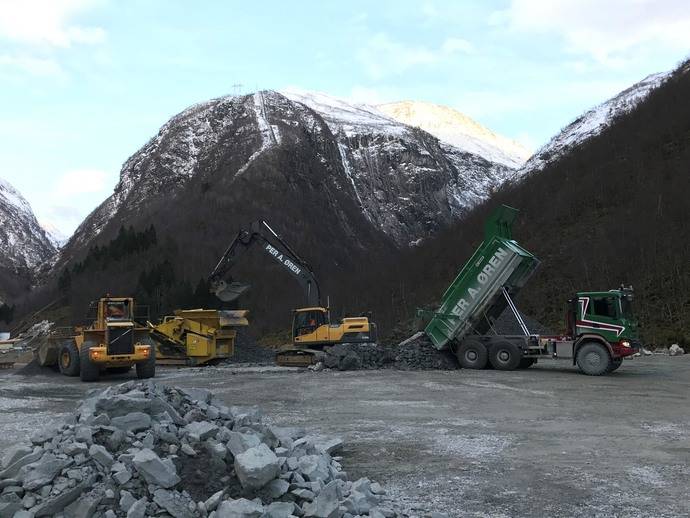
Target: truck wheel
x,y
89,371
526,363
147,368
615,364
68,359
505,356
593,359
472,355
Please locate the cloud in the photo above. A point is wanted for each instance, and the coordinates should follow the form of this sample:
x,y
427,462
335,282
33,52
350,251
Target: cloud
x,y
382,56
47,23
82,181
609,32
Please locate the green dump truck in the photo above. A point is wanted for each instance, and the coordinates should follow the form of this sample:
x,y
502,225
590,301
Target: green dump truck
x,y
600,327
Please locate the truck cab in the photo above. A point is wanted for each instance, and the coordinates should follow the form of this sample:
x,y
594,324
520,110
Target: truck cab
x,y
608,315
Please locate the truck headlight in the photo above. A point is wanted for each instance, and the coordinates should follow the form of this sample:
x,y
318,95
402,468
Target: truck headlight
x,y
625,343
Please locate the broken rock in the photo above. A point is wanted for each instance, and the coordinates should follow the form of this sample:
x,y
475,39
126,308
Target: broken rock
x,y
256,467
154,470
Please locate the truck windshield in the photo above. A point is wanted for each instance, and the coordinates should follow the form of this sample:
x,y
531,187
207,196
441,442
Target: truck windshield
x,y
626,308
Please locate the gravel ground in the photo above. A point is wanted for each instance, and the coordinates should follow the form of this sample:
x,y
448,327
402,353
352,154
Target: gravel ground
x,y
542,442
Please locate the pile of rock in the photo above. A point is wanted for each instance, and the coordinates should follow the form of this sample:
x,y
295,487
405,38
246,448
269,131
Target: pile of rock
x,y
248,351
356,356
141,449
415,353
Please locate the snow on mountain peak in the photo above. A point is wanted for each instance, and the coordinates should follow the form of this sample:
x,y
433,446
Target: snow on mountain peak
x,y
11,196
23,242
458,130
344,116
594,121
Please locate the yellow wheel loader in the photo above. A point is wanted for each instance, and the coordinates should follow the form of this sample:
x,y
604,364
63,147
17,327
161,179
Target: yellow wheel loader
x,y
312,328
112,342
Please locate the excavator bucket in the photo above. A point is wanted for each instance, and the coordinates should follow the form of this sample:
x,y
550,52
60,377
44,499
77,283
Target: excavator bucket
x,y
229,292
235,318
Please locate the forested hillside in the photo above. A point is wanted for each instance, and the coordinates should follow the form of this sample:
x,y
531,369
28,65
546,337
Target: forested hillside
x,y
613,210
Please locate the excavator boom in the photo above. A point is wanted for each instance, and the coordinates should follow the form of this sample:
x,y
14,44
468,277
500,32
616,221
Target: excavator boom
x,y
260,233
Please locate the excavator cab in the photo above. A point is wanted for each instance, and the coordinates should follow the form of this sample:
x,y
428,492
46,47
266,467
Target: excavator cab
x,y
307,321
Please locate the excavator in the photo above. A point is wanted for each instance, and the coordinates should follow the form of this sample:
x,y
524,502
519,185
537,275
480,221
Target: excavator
x,y
312,329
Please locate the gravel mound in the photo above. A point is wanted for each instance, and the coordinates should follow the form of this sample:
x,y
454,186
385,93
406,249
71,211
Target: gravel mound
x,y
415,353
248,351
142,449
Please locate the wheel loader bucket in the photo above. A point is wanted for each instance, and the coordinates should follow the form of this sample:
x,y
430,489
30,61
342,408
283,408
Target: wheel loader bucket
x,y
229,292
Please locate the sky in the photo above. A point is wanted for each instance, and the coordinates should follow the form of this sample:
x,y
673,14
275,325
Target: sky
x,y
85,83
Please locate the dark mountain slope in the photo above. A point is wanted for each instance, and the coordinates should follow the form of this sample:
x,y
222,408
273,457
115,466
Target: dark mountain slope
x,y
614,209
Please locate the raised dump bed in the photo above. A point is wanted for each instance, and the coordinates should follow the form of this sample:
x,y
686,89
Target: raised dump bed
x,y
476,296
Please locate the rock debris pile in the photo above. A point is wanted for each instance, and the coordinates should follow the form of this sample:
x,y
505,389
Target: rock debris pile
x,y
415,353
142,449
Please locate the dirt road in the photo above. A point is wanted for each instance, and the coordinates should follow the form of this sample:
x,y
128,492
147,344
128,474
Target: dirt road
x,y
542,442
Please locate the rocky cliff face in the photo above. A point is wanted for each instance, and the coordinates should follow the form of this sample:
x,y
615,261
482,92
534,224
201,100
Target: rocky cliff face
x,y
402,180
24,244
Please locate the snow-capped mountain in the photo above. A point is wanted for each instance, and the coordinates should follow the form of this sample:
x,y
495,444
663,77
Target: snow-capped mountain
x,y
402,180
389,160
593,122
24,245
54,234
459,130
23,242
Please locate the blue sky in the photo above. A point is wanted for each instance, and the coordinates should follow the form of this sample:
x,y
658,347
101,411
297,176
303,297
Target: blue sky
x,y
85,83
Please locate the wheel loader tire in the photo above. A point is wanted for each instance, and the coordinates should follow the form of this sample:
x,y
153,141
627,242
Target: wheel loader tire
x,y
472,355
615,364
68,359
505,356
89,371
526,363
593,359
147,368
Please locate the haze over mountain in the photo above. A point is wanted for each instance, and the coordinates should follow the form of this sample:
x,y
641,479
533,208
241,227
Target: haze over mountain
x,y
458,130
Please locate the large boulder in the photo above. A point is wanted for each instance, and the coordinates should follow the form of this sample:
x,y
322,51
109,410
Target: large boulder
x,y
256,467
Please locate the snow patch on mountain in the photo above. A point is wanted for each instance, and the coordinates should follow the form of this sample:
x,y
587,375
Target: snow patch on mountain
x,y
54,234
347,118
23,243
459,130
593,122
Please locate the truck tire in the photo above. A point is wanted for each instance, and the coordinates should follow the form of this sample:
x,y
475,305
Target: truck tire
x,y
505,356
593,359
68,359
147,368
526,363
88,371
472,355
615,364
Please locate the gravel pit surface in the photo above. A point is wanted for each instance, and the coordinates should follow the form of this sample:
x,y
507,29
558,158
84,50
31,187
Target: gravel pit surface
x,y
546,441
